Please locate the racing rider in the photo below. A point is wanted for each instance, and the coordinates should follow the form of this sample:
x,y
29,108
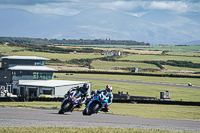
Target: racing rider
x,y
108,93
83,91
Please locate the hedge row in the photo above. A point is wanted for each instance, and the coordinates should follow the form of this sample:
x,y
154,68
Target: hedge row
x,y
130,73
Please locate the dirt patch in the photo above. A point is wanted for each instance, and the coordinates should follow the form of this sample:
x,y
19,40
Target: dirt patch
x,y
76,68
142,51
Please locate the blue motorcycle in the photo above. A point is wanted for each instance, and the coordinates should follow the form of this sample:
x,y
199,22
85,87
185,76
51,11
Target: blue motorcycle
x,y
70,102
96,104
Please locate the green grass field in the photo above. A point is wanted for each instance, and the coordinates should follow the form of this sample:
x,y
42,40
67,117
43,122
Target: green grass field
x,y
167,67
185,53
173,80
177,93
189,48
109,65
117,65
4,48
59,56
159,57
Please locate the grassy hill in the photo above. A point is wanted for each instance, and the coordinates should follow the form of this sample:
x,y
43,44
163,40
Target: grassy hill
x,y
90,58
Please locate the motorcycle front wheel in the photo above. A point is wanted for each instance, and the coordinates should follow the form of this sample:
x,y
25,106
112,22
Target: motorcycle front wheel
x,y
93,108
61,111
84,112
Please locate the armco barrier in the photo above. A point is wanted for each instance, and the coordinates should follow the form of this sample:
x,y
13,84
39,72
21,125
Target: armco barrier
x,y
46,99
131,73
157,102
25,99
13,99
115,100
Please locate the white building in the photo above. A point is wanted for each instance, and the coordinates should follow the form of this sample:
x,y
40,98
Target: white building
x,y
26,76
56,88
111,53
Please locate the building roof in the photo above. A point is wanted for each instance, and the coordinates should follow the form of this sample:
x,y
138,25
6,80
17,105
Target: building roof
x,y
48,83
113,51
31,68
24,58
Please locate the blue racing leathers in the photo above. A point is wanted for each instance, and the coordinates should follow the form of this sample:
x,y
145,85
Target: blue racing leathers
x,y
109,96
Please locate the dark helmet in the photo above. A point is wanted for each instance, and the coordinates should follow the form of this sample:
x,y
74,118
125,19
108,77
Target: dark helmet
x,y
85,87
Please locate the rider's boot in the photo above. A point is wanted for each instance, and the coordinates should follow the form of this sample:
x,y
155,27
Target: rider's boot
x,y
106,109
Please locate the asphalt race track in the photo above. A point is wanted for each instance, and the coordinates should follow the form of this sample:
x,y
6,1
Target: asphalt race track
x,y
136,82
40,117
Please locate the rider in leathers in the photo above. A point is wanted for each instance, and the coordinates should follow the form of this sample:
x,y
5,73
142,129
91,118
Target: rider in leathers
x,y
108,93
83,91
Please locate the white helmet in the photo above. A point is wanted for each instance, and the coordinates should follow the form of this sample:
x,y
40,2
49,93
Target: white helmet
x,y
108,88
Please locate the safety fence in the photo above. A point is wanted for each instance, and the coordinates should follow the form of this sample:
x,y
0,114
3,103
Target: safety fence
x,y
130,73
123,99
186,103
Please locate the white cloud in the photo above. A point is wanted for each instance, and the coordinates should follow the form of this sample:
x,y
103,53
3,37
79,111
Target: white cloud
x,y
53,8
178,6
194,7
71,7
125,5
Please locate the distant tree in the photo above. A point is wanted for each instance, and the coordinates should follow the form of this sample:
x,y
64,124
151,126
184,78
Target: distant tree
x,y
45,41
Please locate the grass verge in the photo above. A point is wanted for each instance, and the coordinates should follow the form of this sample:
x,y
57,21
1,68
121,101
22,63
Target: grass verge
x,y
81,130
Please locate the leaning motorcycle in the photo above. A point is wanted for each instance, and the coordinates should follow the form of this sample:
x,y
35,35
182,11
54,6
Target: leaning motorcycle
x,y
70,102
96,104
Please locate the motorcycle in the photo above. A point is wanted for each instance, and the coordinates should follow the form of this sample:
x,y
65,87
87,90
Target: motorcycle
x,y
96,104
70,102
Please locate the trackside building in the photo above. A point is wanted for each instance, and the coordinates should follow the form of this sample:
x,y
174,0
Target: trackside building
x,y
55,88
26,76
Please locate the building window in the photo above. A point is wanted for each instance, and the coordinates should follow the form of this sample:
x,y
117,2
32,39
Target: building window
x,y
39,63
42,76
47,92
15,91
5,77
35,75
19,73
49,76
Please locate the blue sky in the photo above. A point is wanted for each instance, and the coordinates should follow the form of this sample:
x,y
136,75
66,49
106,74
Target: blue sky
x,y
132,7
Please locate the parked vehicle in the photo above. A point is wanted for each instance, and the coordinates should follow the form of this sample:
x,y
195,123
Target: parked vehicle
x,y
96,104
189,84
71,102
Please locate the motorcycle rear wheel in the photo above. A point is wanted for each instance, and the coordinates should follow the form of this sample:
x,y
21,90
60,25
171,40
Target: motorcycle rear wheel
x,y
84,112
66,107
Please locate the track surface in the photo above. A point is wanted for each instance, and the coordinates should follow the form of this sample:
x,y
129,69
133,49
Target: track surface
x,y
136,82
38,117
